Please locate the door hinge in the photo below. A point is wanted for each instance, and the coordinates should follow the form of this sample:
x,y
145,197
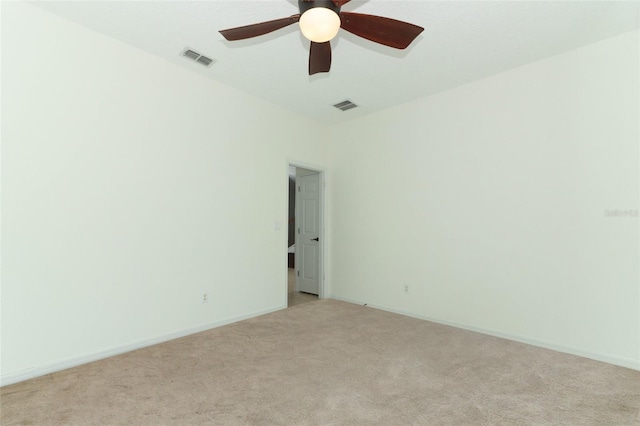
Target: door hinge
x,y
299,188
298,230
298,273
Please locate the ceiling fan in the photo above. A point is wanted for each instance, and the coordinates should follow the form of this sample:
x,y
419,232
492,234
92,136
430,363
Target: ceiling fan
x,y
320,21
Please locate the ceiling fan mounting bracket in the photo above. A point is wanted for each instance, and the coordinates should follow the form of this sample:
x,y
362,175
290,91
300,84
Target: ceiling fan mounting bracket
x,y
305,5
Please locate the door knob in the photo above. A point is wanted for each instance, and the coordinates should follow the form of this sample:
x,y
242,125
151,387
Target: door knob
x,y
315,239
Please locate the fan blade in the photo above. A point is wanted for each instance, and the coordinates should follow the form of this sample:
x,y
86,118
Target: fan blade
x,y
254,30
319,57
387,31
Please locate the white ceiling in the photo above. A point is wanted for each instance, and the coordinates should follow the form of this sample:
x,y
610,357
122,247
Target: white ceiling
x,y
463,41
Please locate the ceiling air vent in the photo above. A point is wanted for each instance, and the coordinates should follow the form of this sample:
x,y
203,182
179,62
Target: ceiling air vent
x,y
345,105
204,61
197,57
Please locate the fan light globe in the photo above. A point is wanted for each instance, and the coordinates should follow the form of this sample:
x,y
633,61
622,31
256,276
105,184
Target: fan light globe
x,y
319,24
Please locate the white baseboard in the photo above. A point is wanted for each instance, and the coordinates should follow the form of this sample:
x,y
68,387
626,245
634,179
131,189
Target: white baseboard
x,y
610,359
30,373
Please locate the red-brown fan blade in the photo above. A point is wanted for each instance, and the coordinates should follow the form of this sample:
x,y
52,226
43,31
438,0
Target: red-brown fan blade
x,y
255,30
387,31
319,57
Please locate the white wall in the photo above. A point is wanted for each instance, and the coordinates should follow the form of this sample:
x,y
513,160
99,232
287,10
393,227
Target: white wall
x,y
489,202
129,188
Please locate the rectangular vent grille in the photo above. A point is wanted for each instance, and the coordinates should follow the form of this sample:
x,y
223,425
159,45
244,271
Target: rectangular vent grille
x,y
197,57
204,60
191,54
345,105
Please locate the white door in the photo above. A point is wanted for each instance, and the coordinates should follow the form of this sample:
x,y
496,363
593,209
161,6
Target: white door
x,y
308,233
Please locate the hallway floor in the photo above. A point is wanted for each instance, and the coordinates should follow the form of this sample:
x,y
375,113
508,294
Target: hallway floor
x,y
297,298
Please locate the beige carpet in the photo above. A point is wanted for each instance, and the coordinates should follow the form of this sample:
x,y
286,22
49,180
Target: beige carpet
x,y
331,363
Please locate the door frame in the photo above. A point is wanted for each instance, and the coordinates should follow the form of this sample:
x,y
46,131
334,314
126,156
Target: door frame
x,y
322,283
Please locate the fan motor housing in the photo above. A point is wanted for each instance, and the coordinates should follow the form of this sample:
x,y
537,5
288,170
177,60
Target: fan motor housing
x,y
305,5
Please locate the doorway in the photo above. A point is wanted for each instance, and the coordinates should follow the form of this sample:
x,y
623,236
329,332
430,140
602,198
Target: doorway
x,y
305,240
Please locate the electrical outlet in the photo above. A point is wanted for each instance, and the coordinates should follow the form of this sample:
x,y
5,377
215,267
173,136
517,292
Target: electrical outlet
x,y
406,288
205,297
